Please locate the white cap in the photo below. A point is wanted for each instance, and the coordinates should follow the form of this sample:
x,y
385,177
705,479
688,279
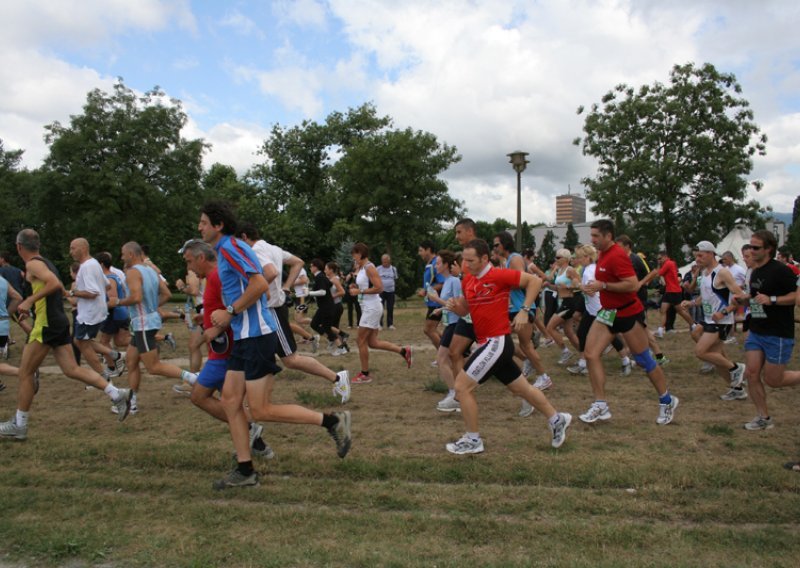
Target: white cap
x,y
705,246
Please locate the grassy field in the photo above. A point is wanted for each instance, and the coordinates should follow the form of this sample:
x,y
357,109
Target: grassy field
x,y
84,490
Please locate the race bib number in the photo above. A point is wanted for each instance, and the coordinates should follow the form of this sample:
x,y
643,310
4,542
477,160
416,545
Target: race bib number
x,y
707,309
757,310
606,317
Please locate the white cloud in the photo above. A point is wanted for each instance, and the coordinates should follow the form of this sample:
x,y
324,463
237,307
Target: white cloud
x,y
303,13
241,24
235,145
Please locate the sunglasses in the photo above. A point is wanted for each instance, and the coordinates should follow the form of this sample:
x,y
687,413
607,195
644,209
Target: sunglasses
x,y
496,245
755,247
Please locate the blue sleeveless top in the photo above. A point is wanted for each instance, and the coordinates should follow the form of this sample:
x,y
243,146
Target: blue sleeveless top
x,y
517,297
144,315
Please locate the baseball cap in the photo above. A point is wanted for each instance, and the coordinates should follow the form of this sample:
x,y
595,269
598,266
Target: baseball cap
x,y
705,246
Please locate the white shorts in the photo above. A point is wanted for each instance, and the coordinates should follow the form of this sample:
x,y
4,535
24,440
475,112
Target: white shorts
x,y
371,316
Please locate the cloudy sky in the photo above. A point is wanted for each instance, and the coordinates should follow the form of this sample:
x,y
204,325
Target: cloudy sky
x,y
488,77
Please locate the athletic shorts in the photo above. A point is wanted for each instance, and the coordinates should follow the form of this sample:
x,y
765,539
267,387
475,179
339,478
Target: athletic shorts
x,y
3,341
642,317
432,316
84,331
255,356
672,298
371,316
567,308
465,329
447,335
285,336
212,376
777,350
531,316
144,341
580,303
623,325
724,330
494,358
51,336
112,326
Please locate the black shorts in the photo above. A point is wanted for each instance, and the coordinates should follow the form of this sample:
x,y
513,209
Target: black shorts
x,y
112,326
144,341
672,298
447,335
724,330
642,317
56,336
580,303
465,329
623,325
432,316
494,358
567,308
86,332
286,344
255,356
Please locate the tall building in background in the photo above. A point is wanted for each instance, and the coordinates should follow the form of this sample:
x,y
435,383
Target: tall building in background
x,y
570,209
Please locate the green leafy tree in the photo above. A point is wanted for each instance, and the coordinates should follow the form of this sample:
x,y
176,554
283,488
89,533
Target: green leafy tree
x,y
570,238
674,158
793,234
17,194
547,253
122,171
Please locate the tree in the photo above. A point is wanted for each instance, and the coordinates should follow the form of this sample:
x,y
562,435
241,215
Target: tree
x,y
121,171
793,234
15,198
547,253
571,238
673,159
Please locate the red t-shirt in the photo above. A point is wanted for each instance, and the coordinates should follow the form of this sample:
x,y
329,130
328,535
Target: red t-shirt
x,y
488,301
669,272
212,300
614,265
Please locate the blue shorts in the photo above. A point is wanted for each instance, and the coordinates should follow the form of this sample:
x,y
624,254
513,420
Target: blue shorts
x,y
213,374
255,356
777,350
86,332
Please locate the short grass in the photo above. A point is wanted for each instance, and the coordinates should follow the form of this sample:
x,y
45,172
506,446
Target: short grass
x,y
84,490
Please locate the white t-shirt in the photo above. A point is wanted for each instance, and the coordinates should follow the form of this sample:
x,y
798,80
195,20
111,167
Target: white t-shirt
x,y
90,278
592,303
120,273
271,254
301,290
739,274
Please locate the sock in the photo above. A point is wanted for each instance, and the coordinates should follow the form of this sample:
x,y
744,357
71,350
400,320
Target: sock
x,y
190,378
365,373
22,418
582,363
111,391
259,445
451,393
566,349
329,421
627,360
665,398
553,419
474,436
601,403
245,468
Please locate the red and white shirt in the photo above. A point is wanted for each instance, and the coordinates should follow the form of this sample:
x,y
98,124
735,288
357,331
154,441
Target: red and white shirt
x,y
487,295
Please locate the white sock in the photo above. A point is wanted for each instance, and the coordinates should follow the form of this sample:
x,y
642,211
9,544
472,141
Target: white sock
x,y
582,363
553,419
22,418
543,376
626,360
566,349
474,436
451,393
111,391
190,378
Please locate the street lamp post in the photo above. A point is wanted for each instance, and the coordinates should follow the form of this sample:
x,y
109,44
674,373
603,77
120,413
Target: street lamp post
x,y
519,163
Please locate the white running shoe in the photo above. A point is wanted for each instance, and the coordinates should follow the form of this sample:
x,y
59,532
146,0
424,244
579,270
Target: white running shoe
x,y
706,368
734,394
566,355
577,370
543,382
737,376
666,412
526,409
342,386
465,446
339,351
659,333
527,368
759,423
448,404
608,349
625,369
314,343
256,430
559,429
11,430
596,412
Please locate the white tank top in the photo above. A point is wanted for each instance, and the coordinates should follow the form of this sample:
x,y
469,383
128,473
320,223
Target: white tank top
x,y
362,281
714,298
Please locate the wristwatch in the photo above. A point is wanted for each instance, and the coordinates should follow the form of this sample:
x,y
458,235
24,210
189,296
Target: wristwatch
x,y
773,300
526,309
230,310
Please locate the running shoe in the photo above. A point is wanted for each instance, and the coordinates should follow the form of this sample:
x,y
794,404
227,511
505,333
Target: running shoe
x,y
663,360
314,343
340,432
11,430
566,355
361,379
559,429
734,394
409,356
596,412
543,382
465,446
342,386
169,339
666,412
759,423
448,404
737,376
236,479
122,406
625,370
255,432
706,369
340,351
526,409
527,368
577,370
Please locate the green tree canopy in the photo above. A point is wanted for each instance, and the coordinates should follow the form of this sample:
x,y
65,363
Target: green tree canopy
x,y
673,159
121,171
570,238
547,253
